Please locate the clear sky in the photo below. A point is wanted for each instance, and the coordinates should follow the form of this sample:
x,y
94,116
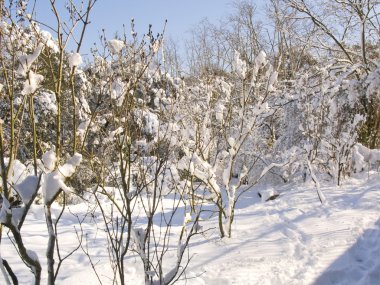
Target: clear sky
x,y
182,15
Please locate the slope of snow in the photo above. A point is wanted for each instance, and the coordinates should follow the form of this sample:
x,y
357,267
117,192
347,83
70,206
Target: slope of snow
x,y
291,240
295,240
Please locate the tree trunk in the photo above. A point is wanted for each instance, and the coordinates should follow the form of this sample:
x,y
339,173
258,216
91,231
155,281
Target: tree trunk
x,y
51,244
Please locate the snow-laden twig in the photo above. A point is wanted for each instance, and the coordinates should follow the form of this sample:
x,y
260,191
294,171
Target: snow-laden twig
x,y
321,196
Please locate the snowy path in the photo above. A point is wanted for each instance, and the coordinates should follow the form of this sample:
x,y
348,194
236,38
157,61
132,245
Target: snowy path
x,y
295,240
291,240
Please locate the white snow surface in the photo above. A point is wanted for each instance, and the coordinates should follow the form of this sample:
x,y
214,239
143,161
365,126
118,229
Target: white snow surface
x,y
291,240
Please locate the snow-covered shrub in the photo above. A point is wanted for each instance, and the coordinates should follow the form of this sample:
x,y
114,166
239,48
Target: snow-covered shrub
x,y
34,99
326,108
370,131
228,133
131,140
364,158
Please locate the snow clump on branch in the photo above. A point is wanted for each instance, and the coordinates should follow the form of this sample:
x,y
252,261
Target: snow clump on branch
x,y
115,46
75,59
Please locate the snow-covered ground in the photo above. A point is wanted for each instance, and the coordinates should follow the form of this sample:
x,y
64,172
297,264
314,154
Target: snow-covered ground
x,y
291,240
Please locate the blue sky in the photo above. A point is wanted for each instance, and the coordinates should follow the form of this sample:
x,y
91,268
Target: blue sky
x,y
182,15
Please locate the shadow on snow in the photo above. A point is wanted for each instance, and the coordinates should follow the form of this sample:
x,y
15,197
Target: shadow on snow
x,y
360,264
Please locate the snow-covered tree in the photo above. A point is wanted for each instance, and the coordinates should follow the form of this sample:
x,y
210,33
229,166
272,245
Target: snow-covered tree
x,y
229,131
